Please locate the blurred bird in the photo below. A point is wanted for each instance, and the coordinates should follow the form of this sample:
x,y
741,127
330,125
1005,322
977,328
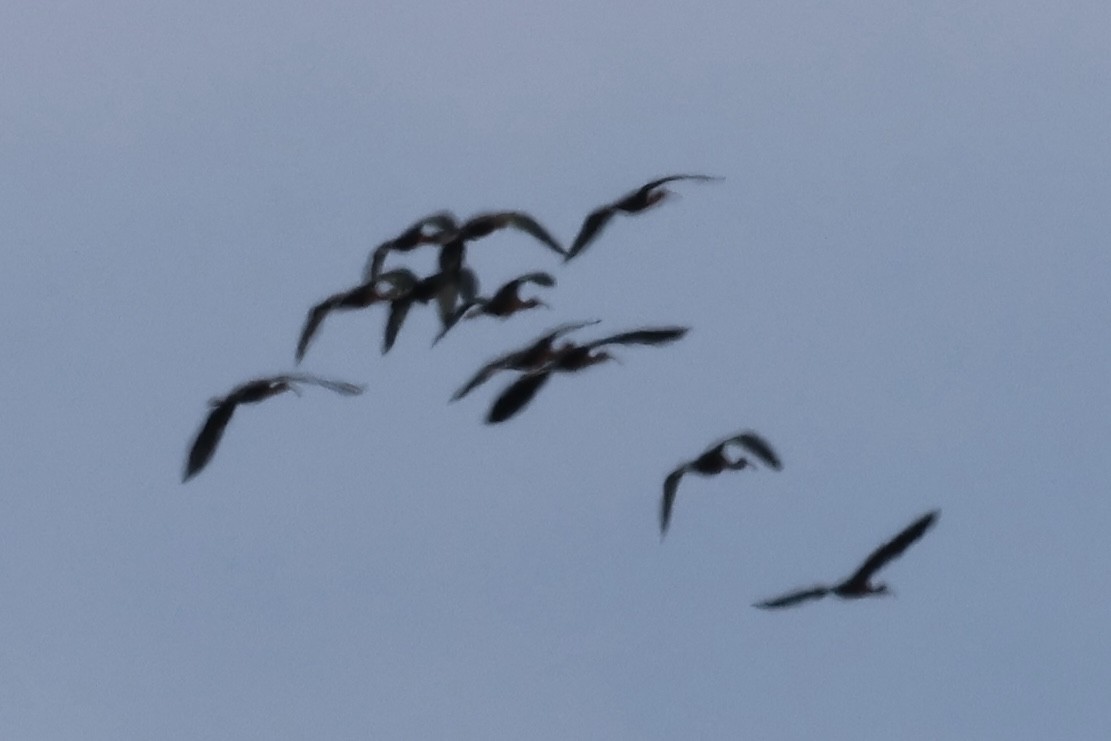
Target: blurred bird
x,y
432,229
570,359
453,249
359,297
251,392
634,202
436,286
505,302
859,584
481,225
712,462
530,357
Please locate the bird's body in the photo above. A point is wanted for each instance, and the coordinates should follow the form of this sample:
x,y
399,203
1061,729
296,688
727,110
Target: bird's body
x,y
634,202
432,229
713,461
482,225
571,358
443,286
860,584
453,245
530,357
251,392
505,302
359,297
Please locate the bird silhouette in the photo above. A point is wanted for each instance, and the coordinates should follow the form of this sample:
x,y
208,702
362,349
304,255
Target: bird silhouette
x,y
435,286
505,302
481,225
432,229
359,297
859,584
569,359
712,462
251,392
633,202
532,356
454,244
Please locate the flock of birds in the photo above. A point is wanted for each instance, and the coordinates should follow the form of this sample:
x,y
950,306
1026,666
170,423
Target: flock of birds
x,y
454,288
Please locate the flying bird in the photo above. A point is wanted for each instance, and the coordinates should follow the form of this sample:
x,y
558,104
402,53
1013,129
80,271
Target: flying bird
x,y
530,357
453,249
633,202
443,286
432,229
712,462
359,297
481,225
251,392
505,302
860,584
569,359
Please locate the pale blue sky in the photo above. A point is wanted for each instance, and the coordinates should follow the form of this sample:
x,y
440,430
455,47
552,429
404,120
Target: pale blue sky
x,y
902,283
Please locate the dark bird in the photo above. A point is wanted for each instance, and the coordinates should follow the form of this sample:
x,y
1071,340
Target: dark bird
x,y
713,462
530,357
436,286
453,249
505,302
569,359
481,225
359,297
634,202
250,392
432,229
859,584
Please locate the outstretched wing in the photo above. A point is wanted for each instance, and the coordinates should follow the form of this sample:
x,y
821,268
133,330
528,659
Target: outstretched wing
x,y
468,284
516,397
793,598
893,548
204,445
758,447
531,226
340,387
479,378
504,361
375,261
556,332
652,336
399,309
671,178
591,227
671,486
312,323
458,314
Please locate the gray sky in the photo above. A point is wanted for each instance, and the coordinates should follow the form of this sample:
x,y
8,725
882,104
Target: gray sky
x,y
902,283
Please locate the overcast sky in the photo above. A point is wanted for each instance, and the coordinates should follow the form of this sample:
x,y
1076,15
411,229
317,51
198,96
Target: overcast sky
x,y
903,283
